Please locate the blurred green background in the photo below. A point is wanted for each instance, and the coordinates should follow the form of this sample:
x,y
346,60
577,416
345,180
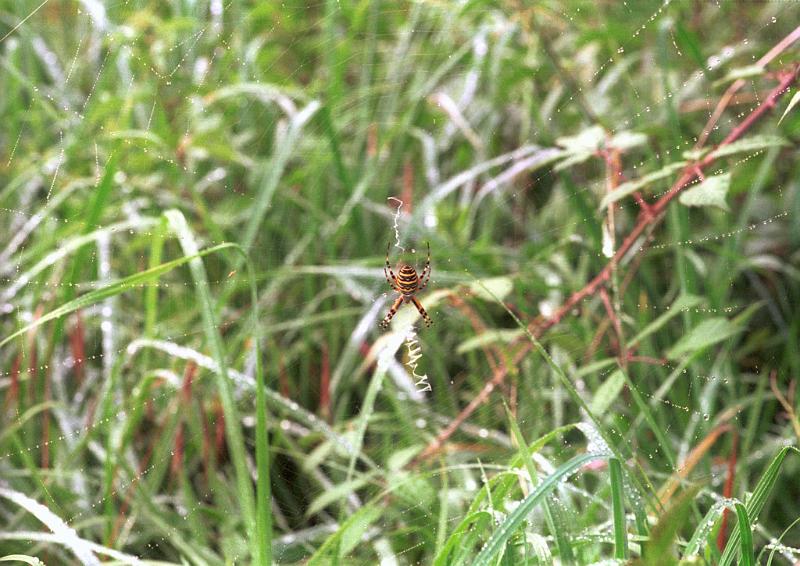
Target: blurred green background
x,y
195,199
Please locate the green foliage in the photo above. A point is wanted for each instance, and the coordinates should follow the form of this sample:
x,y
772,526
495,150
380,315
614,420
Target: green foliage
x,y
193,222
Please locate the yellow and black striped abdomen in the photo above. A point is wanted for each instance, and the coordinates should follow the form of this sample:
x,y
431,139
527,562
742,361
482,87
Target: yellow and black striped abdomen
x,y
407,280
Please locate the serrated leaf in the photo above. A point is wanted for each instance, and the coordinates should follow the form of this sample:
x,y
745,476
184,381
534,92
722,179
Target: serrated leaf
x,y
707,333
489,337
607,392
711,192
631,187
753,143
792,103
492,288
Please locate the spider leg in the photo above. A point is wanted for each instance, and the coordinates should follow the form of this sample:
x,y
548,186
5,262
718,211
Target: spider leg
x,y
387,270
421,310
392,311
426,271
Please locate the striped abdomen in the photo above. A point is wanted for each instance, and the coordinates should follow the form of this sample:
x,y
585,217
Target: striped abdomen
x,y
407,280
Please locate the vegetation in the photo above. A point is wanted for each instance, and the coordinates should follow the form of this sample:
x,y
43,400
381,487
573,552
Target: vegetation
x,y
196,199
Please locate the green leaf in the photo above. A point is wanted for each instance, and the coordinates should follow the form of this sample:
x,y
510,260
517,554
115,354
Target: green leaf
x,y
753,143
112,289
211,329
708,332
402,456
746,535
538,545
631,187
339,491
657,550
489,337
588,140
350,534
710,192
573,159
492,288
513,521
553,515
756,502
607,392
627,139
353,530
472,522
618,509
689,43
412,488
33,561
792,103
681,304
705,527
746,72
695,154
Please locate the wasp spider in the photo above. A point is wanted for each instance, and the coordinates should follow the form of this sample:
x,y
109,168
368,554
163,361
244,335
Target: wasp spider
x,y
407,283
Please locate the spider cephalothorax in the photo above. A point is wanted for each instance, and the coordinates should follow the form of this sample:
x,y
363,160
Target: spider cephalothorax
x,y
407,283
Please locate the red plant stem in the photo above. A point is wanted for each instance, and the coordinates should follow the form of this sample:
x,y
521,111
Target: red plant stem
x,y
646,219
727,492
726,98
185,405
688,175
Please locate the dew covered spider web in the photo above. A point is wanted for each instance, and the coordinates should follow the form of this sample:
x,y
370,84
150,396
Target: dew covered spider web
x,y
313,134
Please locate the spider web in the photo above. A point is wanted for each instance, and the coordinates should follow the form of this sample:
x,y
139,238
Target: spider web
x,y
150,112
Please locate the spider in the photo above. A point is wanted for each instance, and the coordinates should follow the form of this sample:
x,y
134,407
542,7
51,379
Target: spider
x,y
407,283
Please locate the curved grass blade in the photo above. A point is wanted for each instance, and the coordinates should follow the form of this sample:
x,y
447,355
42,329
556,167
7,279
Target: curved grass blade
x,y
755,504
117,287
579,401
233,432
746,535
497,541
618,510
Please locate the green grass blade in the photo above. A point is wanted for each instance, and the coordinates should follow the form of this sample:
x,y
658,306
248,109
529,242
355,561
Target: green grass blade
x,y
232,429
554,524
618,510
497,541
570,387
756,502
117,287
745,535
